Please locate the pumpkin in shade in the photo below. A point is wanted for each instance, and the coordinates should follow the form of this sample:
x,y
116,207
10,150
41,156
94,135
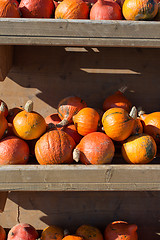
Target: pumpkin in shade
x,y
9,9
54,147
52,120
12,113
89,232
68,107
138,127
117,100
5,108
52,232
120,230
139,9
106,10
23,231
28,124
86,121
36,8
94,148
139,148
2,233
72,9
13,150
3,121
118,124
71,130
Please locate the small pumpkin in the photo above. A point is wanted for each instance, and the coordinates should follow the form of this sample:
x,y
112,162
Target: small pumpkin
x,y
23,231
89,232
3,121
28,124
118,124
54,147
72,9
139,9
117,100
9,9
139,149
68,107
121,230
86,121
52,232
94,148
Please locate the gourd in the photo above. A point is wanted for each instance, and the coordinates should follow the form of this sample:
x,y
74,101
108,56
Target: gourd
x,y
52,232
89,232
9,9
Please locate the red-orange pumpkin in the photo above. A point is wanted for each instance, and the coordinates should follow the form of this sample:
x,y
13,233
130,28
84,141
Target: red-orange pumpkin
x,y
54,147
23,231
120,230
9,9
72,9
52,120
89,232
13,150
86,121
71,130
68,107
3,121
94,148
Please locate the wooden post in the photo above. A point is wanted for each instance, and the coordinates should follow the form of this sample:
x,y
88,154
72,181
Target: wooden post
x,y
3,198
6,56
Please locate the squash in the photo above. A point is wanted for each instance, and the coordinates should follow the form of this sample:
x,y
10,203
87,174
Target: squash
x,y
23,231
120,230
9,9
52,232
68,107
28,124
118,124
139,149
54,147
72,9
86,121
94,148
139,9
89,232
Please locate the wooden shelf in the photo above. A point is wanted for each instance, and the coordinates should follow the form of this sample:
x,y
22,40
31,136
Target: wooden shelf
x,y
80,178
49,32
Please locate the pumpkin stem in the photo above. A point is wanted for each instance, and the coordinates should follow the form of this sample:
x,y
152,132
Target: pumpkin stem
x,y
123,89
76,155
141,112
28,106
66,232
2,107
63,123
133,112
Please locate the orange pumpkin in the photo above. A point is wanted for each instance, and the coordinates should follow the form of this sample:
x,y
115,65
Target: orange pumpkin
x,y
94,148
71,130
139,149
89,232
54,147
13,150
120,230
117,100
118,124
3,121
139,9
2,233
9,9
72,9
52,232
67,108
28,124
86,121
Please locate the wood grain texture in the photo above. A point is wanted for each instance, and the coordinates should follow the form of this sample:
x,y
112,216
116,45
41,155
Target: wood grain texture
x,y
6,57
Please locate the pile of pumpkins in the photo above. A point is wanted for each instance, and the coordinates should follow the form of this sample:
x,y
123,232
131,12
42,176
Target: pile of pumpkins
x,y
78,133
81,9
118,230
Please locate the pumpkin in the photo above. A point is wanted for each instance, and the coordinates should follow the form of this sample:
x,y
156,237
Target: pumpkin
x,y
89,232
72,9
3,121
28,124
117,100
13,150
138,127
68,107
139,148
52,120
86,121
12,113
139,9
52,232
23,231
105,10
71,130
36,8
120,230
118,124
54,147
94,148
2,233
9,9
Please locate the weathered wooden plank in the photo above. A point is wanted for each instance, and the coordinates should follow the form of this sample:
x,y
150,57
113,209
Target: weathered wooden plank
x,y
3,198
6,56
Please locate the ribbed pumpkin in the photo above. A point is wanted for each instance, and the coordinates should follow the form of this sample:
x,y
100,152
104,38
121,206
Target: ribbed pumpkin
x,y
139,149
71,130
9,9
86,121
12,113
72,9
139,9
28,124
52,232
3,121
118,124
2,233
120,230
117,100
68,107
89,232
54,147
13,150
94,148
